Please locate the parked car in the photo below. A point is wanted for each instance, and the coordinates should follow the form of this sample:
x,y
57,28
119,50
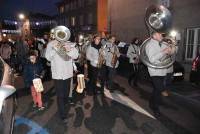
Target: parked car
x,y
179,71
7,99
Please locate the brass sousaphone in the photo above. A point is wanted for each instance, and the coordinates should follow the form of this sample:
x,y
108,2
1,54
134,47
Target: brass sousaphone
x,y
158,19
62,35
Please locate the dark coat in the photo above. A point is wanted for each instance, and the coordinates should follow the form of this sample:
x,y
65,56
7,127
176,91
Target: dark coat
x,y
32,71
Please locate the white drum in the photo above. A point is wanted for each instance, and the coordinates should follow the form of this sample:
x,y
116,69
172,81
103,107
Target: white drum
x,y
81,83
37,83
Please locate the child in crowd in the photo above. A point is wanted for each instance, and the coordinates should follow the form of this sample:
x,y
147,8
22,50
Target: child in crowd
x,y
34,69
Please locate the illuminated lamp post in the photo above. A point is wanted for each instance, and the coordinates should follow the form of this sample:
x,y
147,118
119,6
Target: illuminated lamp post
x,y
24,26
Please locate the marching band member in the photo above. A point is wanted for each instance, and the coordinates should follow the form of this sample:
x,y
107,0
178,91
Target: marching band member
x,y
155,51
62,71
133,55
96,56
112,55
82,47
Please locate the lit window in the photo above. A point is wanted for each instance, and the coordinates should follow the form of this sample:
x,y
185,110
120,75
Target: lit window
x,y
192,43
62,9
73,21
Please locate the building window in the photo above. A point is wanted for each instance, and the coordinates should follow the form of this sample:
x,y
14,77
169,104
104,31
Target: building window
x,y
192,43
81,19
66,7
90,18
89,2
165,3
62,9
71,6
73,21
80,3
74,5
67,22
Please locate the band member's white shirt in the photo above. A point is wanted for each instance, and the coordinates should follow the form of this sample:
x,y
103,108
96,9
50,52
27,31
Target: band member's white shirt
x,y
133,53
61,69
110,49
92,54
154,52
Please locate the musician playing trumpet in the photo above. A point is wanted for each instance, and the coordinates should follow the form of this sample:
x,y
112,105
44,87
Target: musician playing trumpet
x,y
112,62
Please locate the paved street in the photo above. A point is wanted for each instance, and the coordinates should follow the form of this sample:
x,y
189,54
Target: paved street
x,y
125,111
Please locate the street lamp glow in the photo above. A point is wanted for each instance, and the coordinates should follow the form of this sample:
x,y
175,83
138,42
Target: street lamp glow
x,y
81,37
15,22
37,23
4,35
173,33
21,16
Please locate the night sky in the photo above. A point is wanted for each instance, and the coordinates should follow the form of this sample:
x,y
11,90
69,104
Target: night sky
x,y
10,8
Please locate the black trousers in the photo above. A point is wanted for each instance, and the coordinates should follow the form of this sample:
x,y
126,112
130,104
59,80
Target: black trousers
x,y
134,74
111,75
62,88
168,81
158,86
97,73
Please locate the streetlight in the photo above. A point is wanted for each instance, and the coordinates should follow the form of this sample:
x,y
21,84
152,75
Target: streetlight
x,y
21,16
4,35
173,33
37,23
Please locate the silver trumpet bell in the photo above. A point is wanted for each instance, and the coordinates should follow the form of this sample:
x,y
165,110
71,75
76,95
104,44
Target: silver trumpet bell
x,y
158,19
